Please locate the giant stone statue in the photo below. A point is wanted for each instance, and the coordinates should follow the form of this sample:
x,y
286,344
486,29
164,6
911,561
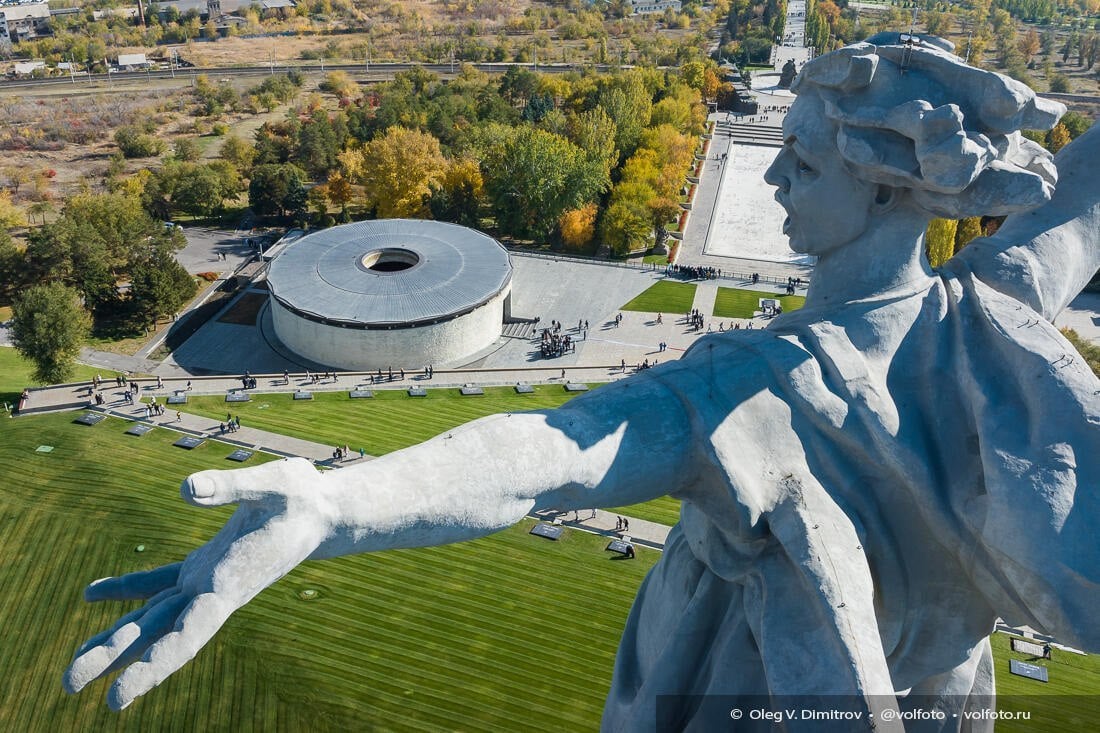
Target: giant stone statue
x,y
786,75
867,484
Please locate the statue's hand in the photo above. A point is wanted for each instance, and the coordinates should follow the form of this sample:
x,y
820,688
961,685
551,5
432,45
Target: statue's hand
x,y
282,517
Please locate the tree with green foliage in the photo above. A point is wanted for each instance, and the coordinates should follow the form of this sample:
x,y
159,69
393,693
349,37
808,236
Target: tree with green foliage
x,y
160,285
628,102
48,328
12,266
1075,123
200,189
277,188
318,145
939,241
518,85
593,131
137,144
627,225
186,149
94,244
276,142
532,177
240,153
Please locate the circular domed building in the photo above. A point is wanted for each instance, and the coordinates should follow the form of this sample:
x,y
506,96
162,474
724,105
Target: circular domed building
x,y
390,293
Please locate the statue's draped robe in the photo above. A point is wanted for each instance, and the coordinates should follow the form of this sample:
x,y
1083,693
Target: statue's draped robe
x,y
875,486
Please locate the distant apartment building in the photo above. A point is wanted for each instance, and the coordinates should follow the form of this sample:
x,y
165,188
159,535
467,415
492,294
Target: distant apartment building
x,y
645,7
19,22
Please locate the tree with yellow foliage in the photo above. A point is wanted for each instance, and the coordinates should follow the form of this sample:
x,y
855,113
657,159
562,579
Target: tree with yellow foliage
x,y
578,226
939,241
10,214
338,191
398,171
969,229
1058,138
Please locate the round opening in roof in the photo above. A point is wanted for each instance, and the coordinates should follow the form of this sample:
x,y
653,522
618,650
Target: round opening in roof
x,y
388,260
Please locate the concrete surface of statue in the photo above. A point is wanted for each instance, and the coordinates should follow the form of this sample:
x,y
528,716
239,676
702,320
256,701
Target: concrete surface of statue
x,y
867,484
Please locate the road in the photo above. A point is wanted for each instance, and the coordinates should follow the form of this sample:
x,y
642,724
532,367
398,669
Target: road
x,y
376,71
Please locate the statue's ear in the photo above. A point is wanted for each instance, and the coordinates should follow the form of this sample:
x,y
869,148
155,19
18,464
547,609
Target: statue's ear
x,y
887,197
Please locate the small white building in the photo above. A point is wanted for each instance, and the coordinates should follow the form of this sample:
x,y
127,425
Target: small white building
x,y
132,61
26,68
647,7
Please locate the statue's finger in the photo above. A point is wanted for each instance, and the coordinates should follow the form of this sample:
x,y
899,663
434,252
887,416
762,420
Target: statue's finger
x,y
128,618
218,487
127,642
134,586
197,624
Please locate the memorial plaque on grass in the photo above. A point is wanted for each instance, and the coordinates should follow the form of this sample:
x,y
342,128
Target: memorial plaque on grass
x,y
303,395
360,394
417,392
576,387
44,449
620,546
238,397
189,442
139,428
240,455
469,391
177,399
524,389
90,418
1031,671
549,531
1027,647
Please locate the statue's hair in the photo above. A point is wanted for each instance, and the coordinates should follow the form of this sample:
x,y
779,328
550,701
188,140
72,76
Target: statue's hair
x,y
910,114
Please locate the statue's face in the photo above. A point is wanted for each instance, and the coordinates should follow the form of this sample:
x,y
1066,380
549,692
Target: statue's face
x,y
827,206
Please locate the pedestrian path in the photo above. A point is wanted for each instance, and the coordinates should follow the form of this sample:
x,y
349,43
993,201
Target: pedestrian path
x,y
650,534
705,294
244,437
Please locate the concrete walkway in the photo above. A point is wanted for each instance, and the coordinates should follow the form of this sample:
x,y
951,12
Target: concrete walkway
x,y
701,220
706,293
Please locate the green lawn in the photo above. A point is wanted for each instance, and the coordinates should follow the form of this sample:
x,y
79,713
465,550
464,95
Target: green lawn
x,y
735,303
665,510
476,636
386,422
392,420
1070,701
664,296
15,374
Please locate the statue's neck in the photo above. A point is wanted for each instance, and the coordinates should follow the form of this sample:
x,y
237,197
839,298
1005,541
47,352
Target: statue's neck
x,y
886,259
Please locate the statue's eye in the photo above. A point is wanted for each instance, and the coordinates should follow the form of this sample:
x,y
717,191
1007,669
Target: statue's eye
x,y
804,167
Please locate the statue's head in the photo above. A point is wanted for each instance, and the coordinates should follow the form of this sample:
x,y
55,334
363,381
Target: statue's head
x,y
906,112
903,127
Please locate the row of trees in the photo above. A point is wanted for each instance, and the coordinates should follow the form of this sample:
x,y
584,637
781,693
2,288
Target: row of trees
x,y
521,150
111,252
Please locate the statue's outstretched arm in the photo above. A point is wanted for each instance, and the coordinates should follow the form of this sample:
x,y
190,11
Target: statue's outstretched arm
x,y
1044,257
618,445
